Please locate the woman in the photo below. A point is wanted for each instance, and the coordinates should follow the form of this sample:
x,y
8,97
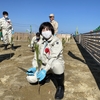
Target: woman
x,y
51,49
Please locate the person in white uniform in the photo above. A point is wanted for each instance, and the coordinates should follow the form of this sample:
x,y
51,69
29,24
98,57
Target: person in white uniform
x,y
6,26
51,50
54,23
34,40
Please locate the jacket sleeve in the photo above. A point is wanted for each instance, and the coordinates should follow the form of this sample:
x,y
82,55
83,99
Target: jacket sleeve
x,y
10,25
55,52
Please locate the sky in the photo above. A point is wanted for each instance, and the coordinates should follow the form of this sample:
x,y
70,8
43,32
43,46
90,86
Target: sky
x,y
83,15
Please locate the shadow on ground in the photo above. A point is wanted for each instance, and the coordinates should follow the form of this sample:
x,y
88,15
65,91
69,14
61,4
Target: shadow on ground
x,y
75,57
6,56
1,45
92,64
15,47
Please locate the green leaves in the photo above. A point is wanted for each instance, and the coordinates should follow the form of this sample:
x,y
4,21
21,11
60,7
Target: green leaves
x,y
97,29
12,40
29,40
63,42
39,62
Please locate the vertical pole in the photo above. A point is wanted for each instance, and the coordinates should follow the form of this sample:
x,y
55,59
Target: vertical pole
x,y
79,38
30,32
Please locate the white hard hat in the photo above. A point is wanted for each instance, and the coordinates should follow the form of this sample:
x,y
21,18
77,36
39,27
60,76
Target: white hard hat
x,y
51,15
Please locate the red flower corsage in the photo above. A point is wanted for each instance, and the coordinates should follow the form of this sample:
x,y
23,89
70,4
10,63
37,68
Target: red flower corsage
x,y
47,50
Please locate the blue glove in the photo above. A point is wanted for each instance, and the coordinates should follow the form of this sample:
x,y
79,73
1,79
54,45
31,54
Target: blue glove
x,y
41,74
31,71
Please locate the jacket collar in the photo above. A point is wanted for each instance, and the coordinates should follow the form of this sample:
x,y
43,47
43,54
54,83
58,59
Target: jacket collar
x,y
49,40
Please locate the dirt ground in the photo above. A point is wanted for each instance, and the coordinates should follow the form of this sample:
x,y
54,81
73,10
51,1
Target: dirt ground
x,y
82,75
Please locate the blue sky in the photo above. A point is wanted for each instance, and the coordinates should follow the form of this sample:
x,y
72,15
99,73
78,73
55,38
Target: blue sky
x,y
70,14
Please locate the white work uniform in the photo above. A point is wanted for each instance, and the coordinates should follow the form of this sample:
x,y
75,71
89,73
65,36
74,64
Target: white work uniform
x,y
51,57
6,26
55,25
34,40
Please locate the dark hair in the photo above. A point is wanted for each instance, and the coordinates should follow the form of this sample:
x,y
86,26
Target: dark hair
x,y
5,13
46,24
38,34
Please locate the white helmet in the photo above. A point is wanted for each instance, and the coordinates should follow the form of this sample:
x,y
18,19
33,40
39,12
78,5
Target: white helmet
x,y
51,15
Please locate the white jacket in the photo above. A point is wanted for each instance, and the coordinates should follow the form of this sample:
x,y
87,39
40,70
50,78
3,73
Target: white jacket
x,y
5,23
55,25
34,40
54,50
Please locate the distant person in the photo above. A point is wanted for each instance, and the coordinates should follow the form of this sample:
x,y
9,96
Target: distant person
x,y
6,26
54,23
50,54
34,40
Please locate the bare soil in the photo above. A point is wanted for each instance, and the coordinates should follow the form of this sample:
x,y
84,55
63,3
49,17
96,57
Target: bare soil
x,y
82,75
